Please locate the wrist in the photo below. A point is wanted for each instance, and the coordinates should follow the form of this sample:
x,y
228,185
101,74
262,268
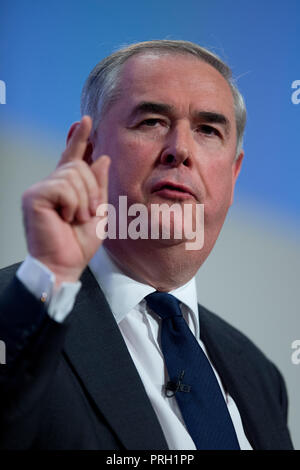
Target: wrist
x,y
61,274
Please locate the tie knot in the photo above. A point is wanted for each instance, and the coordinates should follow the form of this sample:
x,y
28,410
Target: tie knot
x,y
165,305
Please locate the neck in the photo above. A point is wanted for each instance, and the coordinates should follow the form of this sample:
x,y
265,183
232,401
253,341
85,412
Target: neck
x,y
164,267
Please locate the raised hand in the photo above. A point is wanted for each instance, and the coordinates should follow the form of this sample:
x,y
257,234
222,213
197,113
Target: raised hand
x,y
59,212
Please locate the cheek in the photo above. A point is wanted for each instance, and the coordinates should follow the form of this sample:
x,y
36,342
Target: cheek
x,y
218,179
132,163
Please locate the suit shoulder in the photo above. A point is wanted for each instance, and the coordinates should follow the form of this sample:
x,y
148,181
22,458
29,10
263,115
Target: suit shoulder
x,y
233,336
7,274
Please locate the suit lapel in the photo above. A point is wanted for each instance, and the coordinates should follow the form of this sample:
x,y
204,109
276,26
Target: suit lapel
x,y
98,353
262,426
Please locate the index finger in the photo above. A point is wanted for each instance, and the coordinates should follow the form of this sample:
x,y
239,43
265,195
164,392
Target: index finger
x,y
78,142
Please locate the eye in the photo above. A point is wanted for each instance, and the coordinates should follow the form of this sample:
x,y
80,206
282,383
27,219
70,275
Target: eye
x,y
150,122
209,130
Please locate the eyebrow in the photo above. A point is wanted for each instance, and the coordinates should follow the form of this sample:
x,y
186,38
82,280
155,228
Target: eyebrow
x,y
214,118
211,117
151,107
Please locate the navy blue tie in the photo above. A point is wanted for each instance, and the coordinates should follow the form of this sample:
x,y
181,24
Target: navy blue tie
x,y
192,379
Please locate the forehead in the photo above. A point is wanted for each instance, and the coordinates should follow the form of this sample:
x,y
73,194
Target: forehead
x,y
180,80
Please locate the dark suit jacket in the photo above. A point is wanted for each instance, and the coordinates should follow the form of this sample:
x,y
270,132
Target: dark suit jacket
x,y
74,385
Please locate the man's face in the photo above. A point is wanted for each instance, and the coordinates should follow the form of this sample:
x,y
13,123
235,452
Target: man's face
x,y
171,137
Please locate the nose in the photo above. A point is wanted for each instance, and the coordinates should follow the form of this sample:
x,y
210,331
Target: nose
x,y
178,148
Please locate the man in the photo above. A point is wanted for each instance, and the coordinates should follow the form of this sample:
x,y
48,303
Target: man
x,y
98,372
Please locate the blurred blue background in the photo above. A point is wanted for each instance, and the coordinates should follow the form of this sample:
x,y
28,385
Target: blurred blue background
x,y
47,49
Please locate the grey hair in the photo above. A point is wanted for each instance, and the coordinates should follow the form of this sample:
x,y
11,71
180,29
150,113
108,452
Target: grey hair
x,y
101,87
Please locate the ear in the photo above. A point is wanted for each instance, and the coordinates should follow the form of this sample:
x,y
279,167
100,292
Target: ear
x,y
89,148
236,168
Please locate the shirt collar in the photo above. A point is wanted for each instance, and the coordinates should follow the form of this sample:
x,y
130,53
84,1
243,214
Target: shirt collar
x,y
124,293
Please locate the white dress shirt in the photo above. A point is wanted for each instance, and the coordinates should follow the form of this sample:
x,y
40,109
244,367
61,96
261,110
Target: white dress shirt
x,y
140,328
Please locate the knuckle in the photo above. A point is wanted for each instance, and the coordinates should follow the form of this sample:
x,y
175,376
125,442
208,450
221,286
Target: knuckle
x,y
68,175
76,169
80,164
71,173
76,164
61,184
72,202
31,192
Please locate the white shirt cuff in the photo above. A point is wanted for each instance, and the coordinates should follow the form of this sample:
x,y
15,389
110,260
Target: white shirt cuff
x,y
40,281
